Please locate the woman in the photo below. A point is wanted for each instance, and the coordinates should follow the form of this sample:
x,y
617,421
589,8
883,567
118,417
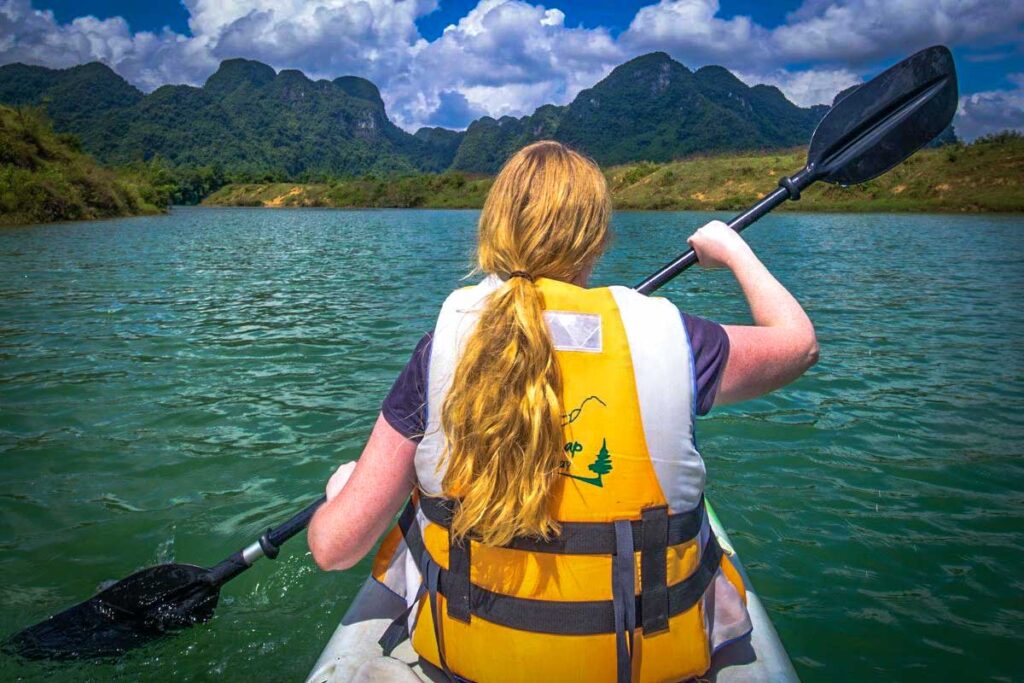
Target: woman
x,y
557,527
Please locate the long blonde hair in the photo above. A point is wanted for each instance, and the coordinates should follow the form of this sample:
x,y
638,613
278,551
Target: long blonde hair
x,y
547,216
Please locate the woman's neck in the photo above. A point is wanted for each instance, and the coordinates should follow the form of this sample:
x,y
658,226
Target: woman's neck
x,y
583,278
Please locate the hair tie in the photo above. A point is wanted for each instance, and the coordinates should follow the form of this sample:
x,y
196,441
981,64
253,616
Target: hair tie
x,y
520,273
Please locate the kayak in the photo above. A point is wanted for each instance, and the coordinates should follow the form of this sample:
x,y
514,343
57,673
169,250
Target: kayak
x,y
352,653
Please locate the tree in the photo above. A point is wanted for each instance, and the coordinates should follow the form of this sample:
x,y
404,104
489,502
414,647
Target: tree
x,y
603,464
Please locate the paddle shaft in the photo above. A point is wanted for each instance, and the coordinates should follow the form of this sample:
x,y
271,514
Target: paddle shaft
x,y
789,188
268,545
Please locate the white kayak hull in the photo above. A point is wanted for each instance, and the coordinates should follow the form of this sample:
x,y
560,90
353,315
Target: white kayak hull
x,y
352,654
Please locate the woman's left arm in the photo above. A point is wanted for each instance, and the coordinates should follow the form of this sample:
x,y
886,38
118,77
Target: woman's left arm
x,y
345,528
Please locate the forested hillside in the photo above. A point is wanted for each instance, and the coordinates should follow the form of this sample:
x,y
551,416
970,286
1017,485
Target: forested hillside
x,y
45,177
651,108
248,119
250,123
987,175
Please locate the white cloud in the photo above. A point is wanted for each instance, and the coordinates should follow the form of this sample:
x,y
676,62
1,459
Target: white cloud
x,y
863,31
147,59
506,58
510,56
324,38
691,31
807,87
509,100
991,112
853,32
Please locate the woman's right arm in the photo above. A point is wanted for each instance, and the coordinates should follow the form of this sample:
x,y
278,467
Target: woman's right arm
x,y
781,344
362,499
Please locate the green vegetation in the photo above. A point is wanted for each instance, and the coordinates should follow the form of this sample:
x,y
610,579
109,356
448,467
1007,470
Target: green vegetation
x,y
44,176
450,190
255,124
181,184
987,175
251,136
651,108
258,125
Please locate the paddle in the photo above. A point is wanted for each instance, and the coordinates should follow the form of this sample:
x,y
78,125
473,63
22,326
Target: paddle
x,y
865,134
862,136
147,604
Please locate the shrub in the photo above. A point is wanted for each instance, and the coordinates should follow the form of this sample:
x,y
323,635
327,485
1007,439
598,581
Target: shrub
x,y
638,173
45,177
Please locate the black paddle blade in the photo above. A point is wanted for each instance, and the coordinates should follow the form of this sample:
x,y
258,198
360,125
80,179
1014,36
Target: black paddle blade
x,y
887,119
132,612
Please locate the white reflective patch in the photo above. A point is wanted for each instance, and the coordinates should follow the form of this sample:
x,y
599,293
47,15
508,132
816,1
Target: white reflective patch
x,y
574,331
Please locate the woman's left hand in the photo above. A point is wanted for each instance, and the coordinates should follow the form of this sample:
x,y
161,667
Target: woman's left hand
x,y
339,479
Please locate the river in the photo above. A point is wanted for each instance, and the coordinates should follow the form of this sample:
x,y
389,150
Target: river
x,y
172,385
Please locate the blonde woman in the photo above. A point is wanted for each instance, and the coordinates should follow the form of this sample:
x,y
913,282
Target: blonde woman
x,y
556,528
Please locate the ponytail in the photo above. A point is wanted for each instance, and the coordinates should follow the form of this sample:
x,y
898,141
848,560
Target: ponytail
x,y
545,216
504,406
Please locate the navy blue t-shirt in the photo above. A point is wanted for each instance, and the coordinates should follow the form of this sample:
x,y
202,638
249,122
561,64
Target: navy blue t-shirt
x,y
405,407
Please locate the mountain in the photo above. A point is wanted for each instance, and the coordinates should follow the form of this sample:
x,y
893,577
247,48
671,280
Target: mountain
x,y
89,100
258,124
651,108
488,142
246,118
683,112
439,146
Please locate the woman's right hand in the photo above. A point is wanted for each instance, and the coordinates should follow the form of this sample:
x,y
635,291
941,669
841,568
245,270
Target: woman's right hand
x,y
717,245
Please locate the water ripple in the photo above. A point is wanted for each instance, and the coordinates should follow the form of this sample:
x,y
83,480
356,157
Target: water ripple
x,y
171,385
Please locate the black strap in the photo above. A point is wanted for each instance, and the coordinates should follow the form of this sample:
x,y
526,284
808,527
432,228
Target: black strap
x,y
653,572
623,602
431,572
398,631
685,594
407,523
582,538
458,570
590,617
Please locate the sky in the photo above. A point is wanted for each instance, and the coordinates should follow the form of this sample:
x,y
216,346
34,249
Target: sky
x,y
447,62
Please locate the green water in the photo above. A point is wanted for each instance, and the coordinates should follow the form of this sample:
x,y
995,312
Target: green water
x,y
169,386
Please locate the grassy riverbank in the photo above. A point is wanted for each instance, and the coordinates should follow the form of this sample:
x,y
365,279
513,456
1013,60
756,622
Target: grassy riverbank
x,y
987,175
45,177
451,190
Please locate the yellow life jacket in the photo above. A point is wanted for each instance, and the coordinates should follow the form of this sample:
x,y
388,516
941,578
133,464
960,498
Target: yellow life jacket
x,y
619,595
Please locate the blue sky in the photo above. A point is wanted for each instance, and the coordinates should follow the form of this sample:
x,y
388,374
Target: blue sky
x,y
441,62
155,14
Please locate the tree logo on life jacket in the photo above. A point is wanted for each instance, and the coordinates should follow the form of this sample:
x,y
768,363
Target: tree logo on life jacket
x,y
602,463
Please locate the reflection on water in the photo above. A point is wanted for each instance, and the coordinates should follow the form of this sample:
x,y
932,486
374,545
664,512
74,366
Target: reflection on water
x,y
169,386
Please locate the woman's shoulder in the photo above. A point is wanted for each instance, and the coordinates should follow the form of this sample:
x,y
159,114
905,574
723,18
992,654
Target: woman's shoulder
x,y
404,406
641,308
